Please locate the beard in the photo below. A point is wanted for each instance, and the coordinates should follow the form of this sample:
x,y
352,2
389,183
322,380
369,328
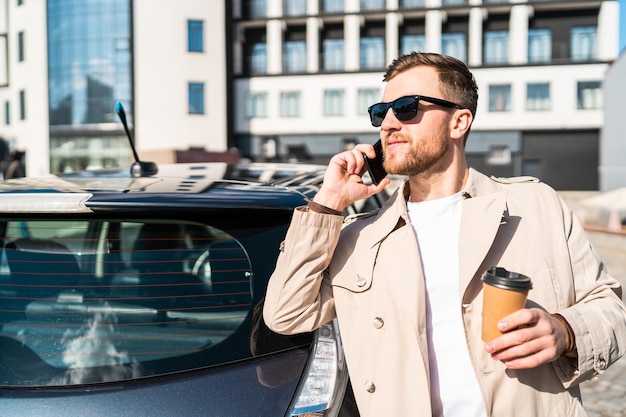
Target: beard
x,y
425,155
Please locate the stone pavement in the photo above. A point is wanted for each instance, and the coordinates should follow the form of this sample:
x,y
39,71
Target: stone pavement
x,y
605,395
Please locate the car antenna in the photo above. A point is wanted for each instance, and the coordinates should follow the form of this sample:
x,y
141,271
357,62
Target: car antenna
x,y
138,168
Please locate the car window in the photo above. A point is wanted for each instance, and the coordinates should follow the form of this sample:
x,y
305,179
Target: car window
x,y
89,300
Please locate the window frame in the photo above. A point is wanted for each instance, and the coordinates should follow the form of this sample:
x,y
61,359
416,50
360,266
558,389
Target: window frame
x,y
196,98
538,102
500,91
334,102
290,103
195,35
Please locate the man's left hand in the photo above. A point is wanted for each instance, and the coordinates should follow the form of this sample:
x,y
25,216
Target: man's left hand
x,y
531,338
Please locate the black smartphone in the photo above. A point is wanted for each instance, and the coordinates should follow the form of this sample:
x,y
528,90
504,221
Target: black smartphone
x,y
375,166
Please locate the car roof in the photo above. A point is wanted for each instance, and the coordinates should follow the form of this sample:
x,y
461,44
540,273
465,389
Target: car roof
x,y
189,185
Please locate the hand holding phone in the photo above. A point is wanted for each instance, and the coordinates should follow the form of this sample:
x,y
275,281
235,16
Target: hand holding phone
x,y
375,165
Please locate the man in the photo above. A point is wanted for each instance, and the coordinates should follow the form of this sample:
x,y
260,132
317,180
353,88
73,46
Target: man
x,y
405,282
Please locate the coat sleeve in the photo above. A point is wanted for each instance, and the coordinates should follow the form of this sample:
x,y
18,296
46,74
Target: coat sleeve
x,y
299,295
598,317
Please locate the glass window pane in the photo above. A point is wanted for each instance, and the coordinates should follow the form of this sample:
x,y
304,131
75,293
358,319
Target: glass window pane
x,y
500,98
294,7
372,4
412,3
410,43
294,56
453,44
333,54
256,105
333,103
496,47
257,8
365,98
196,98
290,104
195,35
584,41
20,46
372,53
331,6
539,45
259,58
121,295
22,105
590,95
538,96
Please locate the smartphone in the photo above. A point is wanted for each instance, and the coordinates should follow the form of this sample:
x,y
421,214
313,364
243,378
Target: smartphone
x,y
375,166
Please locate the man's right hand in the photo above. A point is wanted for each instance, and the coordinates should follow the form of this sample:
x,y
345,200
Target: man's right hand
x,y
343,181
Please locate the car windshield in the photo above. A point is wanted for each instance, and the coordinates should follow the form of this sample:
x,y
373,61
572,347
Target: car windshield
x,y
87,301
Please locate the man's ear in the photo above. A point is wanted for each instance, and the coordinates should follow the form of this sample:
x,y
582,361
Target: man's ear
x,y
460,123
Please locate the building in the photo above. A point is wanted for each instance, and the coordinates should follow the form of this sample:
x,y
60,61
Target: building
x,y
64,65
306,71
613,138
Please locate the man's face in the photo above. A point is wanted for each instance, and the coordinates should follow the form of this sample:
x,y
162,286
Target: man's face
x,y
419,145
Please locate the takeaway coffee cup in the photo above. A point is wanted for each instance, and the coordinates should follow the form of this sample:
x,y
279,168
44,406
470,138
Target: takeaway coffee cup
x,y
504,292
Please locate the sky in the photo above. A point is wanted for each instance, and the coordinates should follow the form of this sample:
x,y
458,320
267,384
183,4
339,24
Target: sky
x,y
622,24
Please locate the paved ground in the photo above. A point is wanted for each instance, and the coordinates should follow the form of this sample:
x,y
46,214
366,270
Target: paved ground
x,y
605,395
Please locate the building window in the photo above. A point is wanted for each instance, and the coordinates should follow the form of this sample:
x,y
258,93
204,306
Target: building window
x,y
538,96
333,6
496,48
365,98
539,45
257,8
294,56
589,95
333,102
259,58
195,36
7,113
453,2
372,53
372,4
500,97
256,105
412,3
20,2
583,41
410,43
294,7
333,54
453,44
290,104
22,105
196,98
20,46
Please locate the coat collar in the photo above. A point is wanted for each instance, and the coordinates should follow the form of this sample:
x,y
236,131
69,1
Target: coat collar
x,y
484,211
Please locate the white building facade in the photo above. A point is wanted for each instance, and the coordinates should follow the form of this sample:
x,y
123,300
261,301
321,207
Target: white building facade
x,y
64,65
306,71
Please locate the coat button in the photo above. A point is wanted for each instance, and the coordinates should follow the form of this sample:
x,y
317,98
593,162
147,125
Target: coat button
x,y
360,281
370,387
378,322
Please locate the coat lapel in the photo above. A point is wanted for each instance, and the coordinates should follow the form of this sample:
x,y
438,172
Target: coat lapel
x,y
480,221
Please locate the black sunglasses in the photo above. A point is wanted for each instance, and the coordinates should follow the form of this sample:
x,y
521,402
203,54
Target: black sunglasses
x,y
404,108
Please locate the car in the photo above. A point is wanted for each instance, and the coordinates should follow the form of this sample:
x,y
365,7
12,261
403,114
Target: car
x,y
124,293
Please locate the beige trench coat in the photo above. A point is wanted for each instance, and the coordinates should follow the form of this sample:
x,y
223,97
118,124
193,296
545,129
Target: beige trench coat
x,y
369,276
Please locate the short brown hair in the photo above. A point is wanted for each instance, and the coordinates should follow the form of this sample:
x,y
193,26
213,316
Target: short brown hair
x,y
457,82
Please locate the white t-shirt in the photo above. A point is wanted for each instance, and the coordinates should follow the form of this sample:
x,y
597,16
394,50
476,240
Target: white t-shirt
x,y
454,388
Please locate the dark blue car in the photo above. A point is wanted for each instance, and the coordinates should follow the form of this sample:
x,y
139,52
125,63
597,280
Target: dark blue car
x,y
142,296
